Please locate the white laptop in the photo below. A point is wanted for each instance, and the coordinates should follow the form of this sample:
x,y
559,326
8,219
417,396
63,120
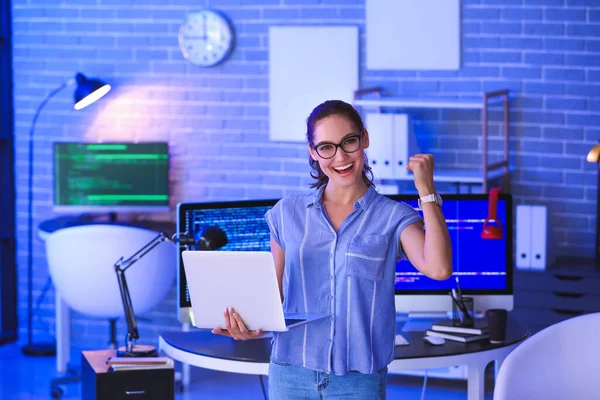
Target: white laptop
x,y
244,280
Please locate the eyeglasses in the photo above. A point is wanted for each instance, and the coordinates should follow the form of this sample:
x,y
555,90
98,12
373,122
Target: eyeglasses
x,y
328,150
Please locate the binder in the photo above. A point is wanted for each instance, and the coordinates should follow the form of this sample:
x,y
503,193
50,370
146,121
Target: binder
x,y
523,236
542,249
534,249
393,143
380,151
405,144
538,237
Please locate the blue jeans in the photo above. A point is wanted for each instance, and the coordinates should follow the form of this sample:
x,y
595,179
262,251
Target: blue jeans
x,y
294,382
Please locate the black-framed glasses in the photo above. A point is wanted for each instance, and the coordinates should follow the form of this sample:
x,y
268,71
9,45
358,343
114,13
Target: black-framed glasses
x,y
328,150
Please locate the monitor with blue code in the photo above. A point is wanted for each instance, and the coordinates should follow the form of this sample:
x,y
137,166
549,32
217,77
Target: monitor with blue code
x,y
98,177
481,233
479,254
481,260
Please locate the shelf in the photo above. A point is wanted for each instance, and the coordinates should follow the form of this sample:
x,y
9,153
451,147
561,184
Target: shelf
x,y
473,103
372,97
457,176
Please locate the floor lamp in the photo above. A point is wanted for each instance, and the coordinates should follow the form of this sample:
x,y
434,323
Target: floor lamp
x,y
87,91
594,157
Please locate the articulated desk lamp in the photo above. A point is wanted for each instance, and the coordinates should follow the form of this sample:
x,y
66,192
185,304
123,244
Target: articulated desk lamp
x,y
594,157
211,238
87,91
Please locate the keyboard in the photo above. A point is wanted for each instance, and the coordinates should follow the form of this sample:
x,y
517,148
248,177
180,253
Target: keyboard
x,y
290,321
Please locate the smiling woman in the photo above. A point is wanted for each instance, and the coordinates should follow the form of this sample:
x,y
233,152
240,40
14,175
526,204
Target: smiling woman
x,y
335,252
332,116
350,143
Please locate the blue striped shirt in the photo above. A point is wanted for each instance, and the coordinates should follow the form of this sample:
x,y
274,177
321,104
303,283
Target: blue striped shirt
x,y
349,274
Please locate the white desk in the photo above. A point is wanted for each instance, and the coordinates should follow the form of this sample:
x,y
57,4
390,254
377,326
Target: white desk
x,y
203,349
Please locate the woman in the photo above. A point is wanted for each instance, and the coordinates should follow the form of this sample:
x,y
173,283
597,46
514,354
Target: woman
x,y
335,252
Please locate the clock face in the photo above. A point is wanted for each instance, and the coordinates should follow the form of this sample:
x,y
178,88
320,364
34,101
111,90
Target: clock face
x,y
206,37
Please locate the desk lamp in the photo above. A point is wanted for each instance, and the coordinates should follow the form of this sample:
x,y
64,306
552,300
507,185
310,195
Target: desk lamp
x,y
87,91
211,238
594,157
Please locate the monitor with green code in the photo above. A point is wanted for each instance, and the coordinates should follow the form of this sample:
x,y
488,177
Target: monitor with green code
x,y
111,177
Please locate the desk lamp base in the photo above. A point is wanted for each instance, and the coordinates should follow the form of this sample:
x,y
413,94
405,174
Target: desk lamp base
x,y
139,350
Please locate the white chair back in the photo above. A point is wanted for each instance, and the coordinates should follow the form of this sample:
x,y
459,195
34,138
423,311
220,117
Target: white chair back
x,y
559,362
81,262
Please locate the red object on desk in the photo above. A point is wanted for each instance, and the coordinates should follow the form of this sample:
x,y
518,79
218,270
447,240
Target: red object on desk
x,y
490,231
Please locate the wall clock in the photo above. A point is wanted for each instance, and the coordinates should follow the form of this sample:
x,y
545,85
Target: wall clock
x,y
206,38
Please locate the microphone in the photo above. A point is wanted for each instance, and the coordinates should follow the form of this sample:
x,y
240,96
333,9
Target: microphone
x,y
211,238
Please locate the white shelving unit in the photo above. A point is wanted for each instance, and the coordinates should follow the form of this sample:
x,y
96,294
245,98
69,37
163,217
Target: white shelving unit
x,y
488,171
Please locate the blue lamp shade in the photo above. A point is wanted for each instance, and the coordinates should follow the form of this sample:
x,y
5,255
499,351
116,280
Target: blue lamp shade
x,y
88,90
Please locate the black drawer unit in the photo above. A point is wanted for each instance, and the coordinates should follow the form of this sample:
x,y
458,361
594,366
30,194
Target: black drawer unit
x,y
568,288
97,383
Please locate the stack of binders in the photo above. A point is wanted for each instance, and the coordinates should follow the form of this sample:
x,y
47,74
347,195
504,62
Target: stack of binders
x,y
137,363
534,241
466,334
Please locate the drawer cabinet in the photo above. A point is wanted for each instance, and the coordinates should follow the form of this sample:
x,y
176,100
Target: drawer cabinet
x,y
97,383
565,290
558,300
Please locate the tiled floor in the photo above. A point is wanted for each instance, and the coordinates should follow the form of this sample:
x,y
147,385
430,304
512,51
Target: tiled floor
x,y
28,378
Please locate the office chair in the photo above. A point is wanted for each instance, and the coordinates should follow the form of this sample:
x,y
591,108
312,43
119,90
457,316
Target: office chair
x,y
559,362
81,262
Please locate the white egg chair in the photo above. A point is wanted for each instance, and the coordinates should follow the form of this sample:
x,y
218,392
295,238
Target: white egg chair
x,y
81,262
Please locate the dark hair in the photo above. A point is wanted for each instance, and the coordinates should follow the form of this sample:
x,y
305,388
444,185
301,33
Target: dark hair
x,y
322,111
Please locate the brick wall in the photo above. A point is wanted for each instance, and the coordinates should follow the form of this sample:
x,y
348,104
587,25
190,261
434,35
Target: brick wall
x,y
547,52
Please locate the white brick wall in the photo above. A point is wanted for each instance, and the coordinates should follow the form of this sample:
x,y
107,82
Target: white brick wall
x,y
547,52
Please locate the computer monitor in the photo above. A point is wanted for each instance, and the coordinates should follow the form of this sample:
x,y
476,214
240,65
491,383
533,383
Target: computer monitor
x,y
488,281
243,222
483,263
111,177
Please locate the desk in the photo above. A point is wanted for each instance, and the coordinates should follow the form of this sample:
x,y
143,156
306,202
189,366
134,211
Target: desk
x,y
203,349
63,321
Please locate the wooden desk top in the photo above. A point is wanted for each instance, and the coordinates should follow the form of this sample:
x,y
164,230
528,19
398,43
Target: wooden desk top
x,y
97,359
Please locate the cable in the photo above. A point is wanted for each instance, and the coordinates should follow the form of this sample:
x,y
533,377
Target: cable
x,y
42,296
424,386
38,305
262,385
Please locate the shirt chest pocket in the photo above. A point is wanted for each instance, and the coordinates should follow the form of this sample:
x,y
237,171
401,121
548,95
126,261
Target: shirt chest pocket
x,y
366,256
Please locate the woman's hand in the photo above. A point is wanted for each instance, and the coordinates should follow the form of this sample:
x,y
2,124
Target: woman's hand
x,y
236,327
422,167
429,251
